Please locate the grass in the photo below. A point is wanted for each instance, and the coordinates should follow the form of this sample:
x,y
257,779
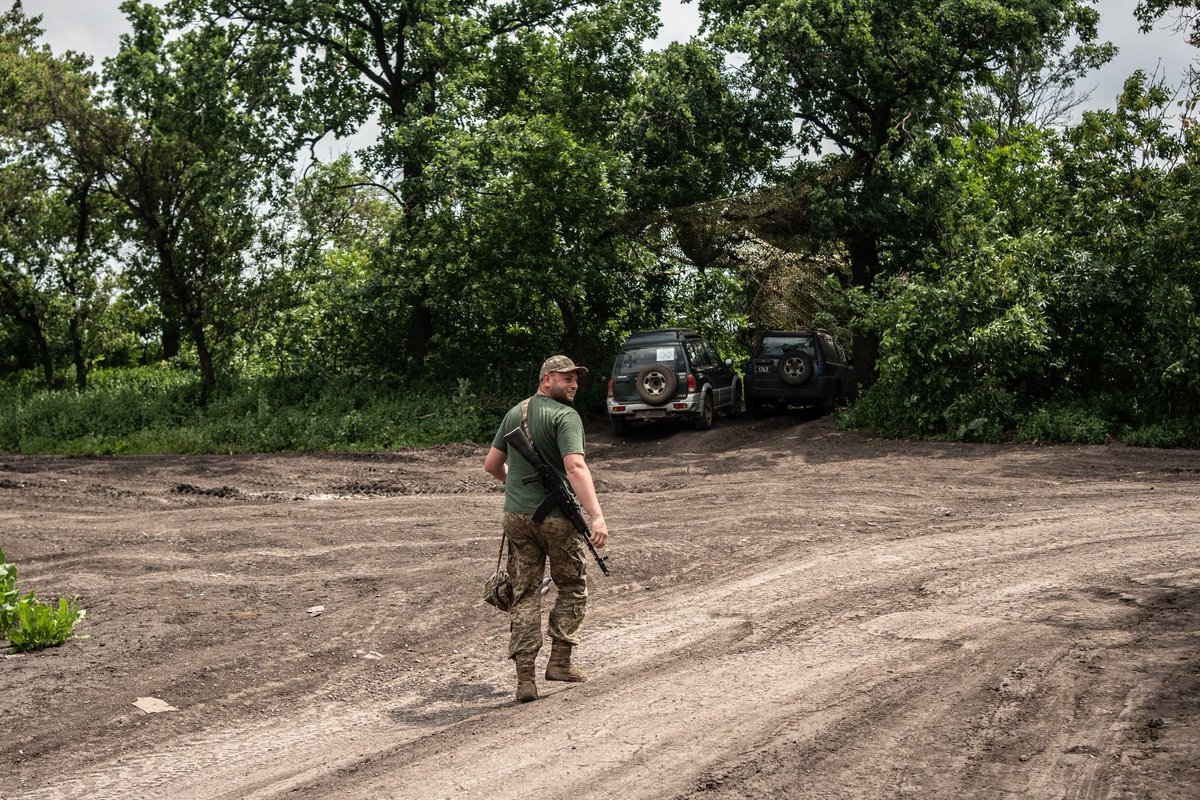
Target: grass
x,y
160,410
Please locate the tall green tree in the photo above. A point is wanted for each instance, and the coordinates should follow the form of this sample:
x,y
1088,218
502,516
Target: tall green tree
x,y
874,80
202,137
1129,306
526,145
55,225
407,65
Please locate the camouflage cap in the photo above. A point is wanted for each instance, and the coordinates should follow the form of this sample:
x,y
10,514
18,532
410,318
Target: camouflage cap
x,y
560,364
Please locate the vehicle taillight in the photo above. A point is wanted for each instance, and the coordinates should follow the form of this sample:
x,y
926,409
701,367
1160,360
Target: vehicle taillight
x,y
691,383
610,387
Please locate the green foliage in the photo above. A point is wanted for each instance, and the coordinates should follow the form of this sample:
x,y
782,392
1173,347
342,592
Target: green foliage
x,y
960,346
199,143
542,183
1064,422
41,624
29,623
1173,433
157,410
8,595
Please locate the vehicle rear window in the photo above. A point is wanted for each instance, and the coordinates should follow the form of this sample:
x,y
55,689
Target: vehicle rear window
x,y
777,345
636,358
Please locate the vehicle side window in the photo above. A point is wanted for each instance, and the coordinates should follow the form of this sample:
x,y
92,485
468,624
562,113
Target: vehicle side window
x,y
695,354
713,359
827,351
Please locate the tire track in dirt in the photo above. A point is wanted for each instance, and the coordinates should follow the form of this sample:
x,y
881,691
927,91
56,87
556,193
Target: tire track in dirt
x,y
694,680
913,654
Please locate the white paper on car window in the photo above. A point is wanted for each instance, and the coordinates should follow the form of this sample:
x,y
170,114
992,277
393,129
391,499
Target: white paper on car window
x,y
665,354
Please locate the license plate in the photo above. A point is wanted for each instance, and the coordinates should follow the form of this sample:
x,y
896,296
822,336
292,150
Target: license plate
x,y
764,368
655,414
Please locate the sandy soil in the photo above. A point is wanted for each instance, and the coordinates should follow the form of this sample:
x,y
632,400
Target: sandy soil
x,y
793,612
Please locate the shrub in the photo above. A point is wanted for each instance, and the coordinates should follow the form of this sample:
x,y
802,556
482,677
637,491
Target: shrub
x,y
1173,433
29,623
1064,423
158,410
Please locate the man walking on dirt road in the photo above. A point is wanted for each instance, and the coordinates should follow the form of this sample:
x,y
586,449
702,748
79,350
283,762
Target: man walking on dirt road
x,y
557,433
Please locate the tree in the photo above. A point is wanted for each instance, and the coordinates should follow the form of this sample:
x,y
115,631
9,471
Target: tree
x,y
1129,305
875,79
55,225
527,146
396,61
196,144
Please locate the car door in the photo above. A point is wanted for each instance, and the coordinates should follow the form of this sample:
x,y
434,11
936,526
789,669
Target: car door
x,y
720,375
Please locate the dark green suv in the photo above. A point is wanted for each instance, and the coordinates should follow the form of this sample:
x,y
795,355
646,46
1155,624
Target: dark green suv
x,y
673,373
796,368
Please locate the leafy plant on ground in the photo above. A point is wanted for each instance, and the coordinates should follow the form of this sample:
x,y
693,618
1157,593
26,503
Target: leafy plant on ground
x,y
29,623
8,595
42,624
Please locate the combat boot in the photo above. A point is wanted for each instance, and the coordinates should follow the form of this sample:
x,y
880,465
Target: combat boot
x,y
560,667
526,682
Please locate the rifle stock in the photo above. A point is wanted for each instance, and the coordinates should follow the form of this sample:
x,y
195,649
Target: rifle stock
x,y
555,489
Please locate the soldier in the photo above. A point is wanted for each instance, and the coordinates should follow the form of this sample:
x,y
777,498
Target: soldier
x,y
557,434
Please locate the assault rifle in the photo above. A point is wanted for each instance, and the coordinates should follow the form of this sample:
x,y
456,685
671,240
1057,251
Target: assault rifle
x,y
557,493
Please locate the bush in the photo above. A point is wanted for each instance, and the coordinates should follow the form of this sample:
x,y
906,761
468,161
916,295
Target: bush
x,y
961,344
28,623
1064,423
1173,433
159,410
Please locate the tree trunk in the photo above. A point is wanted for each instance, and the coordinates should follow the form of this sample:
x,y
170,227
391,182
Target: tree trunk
x,y
420,329
207,372
82,227
170,339
863,249
572,341
77,353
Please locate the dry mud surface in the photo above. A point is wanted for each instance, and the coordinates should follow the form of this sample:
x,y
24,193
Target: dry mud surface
x,y
793,612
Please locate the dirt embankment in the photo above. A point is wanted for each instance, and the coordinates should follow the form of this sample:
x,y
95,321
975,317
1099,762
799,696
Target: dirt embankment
x,y
794,612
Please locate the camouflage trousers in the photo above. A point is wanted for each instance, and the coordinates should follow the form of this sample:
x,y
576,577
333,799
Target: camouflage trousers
x,y
530,545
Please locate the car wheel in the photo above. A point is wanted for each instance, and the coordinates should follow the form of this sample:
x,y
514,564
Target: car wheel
x,y
795,368
656,383
620,425
707,412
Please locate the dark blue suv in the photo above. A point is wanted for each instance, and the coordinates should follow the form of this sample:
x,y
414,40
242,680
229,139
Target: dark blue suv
x,y
797,368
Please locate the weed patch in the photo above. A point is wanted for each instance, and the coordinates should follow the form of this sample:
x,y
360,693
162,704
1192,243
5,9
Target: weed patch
x,y
29,623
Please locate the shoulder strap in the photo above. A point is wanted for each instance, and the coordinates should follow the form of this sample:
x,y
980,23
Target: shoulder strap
x,y
525,419
500,555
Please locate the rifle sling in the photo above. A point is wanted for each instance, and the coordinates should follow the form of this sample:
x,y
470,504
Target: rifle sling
x,y
549,503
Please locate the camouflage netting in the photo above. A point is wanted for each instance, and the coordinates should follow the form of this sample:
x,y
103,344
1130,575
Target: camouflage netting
x,y
789,286
765,234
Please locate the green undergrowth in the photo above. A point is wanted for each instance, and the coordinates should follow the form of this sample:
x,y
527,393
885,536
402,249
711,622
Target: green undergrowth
x,y
1063,422
162,410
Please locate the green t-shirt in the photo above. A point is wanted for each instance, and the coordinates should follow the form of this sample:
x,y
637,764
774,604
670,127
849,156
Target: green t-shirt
x,y
557,431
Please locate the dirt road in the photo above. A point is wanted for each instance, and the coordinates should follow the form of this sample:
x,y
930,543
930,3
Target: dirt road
x,y
793,612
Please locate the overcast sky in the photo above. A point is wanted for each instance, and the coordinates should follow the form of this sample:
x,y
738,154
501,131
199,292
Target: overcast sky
x,y
94,26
